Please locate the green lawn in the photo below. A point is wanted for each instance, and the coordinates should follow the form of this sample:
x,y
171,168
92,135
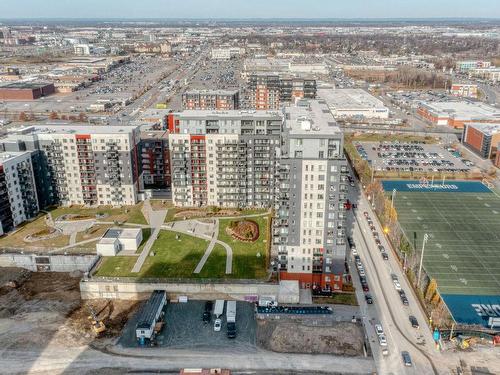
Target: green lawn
x,y
338,298
215,267
129,214
173,258
246,264
205,214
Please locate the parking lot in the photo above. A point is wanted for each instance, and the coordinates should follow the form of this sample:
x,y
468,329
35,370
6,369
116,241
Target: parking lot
x,y
184,328
410,157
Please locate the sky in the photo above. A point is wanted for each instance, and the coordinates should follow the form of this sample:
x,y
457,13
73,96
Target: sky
x,y
249,8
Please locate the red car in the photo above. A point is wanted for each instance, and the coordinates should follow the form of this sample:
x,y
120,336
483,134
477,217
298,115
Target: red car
x,y
365,287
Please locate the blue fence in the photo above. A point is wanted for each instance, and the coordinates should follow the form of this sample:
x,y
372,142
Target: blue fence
x,y
437,187
472,309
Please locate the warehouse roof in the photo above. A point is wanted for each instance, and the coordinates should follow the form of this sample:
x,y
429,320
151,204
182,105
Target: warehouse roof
x,y
349,99
24,85
462,109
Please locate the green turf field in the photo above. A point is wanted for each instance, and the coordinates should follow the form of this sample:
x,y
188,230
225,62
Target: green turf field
x,y
463,250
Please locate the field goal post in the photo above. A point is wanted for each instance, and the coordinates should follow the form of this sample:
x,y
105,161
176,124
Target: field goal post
x,y
424,181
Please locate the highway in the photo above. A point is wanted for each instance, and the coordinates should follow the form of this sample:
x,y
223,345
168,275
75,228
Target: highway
x,y
387,308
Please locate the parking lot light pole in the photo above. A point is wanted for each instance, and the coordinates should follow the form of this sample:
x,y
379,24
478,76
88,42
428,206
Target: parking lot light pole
x,y
426,237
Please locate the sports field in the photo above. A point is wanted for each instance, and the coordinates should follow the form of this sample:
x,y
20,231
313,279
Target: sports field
x,y
463,249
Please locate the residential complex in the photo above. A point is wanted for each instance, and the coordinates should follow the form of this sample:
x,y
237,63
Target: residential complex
x,y
353,103
464,90
84,165
18,199
309,227
482,139
456,114
465,66
270,91
211,99
224,158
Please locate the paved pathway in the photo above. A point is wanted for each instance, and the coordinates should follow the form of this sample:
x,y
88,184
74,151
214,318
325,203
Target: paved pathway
x,y
156,219
209,249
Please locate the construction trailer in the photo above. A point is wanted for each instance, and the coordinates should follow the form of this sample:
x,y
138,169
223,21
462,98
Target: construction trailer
x,y
150,314
219,308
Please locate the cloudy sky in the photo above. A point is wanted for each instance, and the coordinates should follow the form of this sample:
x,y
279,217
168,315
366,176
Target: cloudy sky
x,y
249,8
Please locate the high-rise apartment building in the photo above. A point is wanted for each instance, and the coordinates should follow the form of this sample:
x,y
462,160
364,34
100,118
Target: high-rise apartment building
x,y
270,91
154,157
18,199
309,226
85,165
211,99
224,158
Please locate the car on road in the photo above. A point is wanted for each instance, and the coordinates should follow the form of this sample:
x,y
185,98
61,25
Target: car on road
x,y
385,256
382,340
350,241
406,359
378,329
414,322
368,299
217,325
377,241
361,272
365,287
354,251
404,300
397,285
381,248
366,214
351,183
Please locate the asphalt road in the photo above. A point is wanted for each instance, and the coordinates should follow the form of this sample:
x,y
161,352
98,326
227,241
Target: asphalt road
x,y
388,309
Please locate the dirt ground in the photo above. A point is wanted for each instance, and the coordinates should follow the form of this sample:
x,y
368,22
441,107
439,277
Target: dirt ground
x,y
46,307
296,337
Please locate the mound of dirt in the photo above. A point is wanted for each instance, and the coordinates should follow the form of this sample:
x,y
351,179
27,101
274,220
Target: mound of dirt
x,y
294,337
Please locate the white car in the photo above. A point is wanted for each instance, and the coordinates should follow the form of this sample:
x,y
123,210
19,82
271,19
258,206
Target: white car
x,y
382,340
378,329
217,325
362,272
397,285
354,251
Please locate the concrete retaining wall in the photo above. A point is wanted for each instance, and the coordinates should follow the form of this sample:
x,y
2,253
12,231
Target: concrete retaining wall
x,y
49,263
92,288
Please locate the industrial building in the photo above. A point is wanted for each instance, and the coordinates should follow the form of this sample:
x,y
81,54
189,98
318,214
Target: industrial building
x,y
226,53
84,165
482,139
18,199
309,227
457,113
270,91
154,155
22,90
211,99
353,103
224,158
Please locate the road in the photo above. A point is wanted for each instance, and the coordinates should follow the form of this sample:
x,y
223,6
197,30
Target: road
x,y
388,308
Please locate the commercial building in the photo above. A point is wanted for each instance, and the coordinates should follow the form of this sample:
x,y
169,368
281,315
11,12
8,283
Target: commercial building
x,y
283,66
22,90
457,113
309,227
464,90
491,74
18,199
465,66
83,49
84,165
353,103
224,158
154,154
226,53
482,139
270,91
211,99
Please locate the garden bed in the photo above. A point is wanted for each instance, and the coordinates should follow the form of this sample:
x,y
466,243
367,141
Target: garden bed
x,y
243,230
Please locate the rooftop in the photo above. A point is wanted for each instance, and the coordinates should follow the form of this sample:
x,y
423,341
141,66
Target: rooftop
x,y
233,113
349,98
211,92
114,233
5,156
23,85
309,117
149,310
486,128
462,109
78,128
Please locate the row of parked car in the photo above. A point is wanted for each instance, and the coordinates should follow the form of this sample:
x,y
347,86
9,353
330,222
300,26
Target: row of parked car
x,y
361,271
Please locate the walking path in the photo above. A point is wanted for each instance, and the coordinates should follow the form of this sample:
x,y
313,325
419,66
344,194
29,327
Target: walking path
x,y
155,219
209,249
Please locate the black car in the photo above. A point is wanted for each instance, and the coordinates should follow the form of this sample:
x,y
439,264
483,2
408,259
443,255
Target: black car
x,y
404,300
369,299
385,256
414,321
406,359
207,314
231,330
402,293
350,241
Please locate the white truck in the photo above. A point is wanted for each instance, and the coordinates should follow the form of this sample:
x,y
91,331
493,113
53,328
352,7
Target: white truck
x,y
219,308
267,301
231,312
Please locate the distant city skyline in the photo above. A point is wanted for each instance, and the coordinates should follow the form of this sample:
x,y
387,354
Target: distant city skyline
x,y
240,9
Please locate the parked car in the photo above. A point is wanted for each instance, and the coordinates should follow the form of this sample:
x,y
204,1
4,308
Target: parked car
x,y
362,272
368,299
404,300
385,256
382,340
365,287
414,321
378,329
231,330
397,285
381,248
406,359
217,325
354,251
207,314
366,214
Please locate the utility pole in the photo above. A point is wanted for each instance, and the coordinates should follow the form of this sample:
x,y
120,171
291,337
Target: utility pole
x,y
426,237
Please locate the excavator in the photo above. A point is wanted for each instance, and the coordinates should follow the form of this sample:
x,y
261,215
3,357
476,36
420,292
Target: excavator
x,y
97,325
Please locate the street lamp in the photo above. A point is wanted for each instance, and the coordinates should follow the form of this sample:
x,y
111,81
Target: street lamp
x,y
426,237
393,197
